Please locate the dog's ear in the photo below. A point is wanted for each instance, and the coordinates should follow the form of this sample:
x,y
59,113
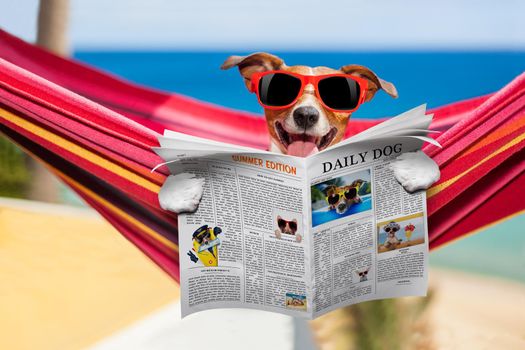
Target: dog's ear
x,y
329,189
374,82
357,182
294,220
279,217
256,62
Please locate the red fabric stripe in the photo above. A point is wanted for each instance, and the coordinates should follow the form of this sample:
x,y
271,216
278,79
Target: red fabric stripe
x,y
54,97
129,156
467,202
470,179
499,107
158,220
128,187
500,205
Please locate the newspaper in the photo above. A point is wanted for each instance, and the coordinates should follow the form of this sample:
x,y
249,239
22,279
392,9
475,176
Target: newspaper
x,y
302,236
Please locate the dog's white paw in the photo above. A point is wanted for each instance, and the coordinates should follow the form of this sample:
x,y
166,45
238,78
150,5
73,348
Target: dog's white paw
x,y
181,193
415,171
278,234
298,238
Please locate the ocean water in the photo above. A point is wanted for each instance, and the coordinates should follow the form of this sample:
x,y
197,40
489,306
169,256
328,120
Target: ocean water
x,y
435,78
324,215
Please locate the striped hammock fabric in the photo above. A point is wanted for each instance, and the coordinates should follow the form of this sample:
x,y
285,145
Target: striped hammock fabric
x,y
95,132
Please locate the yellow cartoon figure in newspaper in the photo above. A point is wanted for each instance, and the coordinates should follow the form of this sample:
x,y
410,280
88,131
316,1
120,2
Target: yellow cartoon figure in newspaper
x,y
206,246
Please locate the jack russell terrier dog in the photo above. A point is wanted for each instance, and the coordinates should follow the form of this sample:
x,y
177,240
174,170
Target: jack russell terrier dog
x,y
342,198
307,110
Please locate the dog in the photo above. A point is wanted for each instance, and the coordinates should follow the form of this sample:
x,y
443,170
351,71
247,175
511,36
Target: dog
x,y
342,198
288,227
363,274
205,245
307,126
391,239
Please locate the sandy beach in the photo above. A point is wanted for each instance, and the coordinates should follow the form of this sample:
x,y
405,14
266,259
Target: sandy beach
x,y
71,281
476,312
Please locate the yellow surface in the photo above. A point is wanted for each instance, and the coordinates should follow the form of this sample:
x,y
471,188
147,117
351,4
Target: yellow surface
x,y
69,279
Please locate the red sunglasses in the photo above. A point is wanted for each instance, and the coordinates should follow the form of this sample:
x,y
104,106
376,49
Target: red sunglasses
x,y
279,89
282,224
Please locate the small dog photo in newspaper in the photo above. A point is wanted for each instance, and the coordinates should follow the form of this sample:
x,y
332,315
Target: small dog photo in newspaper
x,y
362,274
287,225
205,246
295,301
400,233
341,196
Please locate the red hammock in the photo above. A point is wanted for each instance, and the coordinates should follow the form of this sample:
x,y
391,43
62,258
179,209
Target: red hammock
x,y
95,132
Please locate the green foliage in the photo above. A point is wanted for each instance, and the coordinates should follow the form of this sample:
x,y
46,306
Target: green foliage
x,y
14,177
317,194
365,188
377,326
389,324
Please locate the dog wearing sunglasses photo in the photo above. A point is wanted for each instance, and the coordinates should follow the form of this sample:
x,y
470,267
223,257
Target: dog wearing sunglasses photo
x,y
307,110
342,198
288,227
391,241
362,274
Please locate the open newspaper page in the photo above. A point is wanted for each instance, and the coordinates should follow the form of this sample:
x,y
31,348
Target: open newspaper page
x,y
247,244
369,236
301,236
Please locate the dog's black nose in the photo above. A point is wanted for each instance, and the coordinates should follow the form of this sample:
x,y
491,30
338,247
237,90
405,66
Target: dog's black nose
x,y
305,117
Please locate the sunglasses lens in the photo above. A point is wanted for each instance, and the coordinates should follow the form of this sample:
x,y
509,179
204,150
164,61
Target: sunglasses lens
x,y
281,223
278,89
351,193
293,225
339,92
333,199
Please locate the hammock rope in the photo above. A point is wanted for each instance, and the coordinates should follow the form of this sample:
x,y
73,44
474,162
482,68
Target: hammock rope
x,y
95,132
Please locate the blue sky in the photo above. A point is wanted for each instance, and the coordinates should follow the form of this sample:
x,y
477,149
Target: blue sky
x,y
284,24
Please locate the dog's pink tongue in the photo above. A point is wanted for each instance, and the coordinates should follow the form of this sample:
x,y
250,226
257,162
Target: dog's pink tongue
x,y
302,148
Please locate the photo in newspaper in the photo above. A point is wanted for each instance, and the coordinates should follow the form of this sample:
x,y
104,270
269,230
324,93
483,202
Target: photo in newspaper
x,y
341,197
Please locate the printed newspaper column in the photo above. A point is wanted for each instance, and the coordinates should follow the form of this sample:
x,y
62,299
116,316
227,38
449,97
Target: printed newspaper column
x,y
211,239
246,245
357,207
402,236
272,211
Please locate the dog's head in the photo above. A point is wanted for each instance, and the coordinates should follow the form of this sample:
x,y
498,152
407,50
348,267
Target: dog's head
x,y
307,126
205,234
287,226
363,274
341,198
391,228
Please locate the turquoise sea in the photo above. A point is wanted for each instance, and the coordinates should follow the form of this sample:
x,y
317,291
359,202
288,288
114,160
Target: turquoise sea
x,y
435,78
